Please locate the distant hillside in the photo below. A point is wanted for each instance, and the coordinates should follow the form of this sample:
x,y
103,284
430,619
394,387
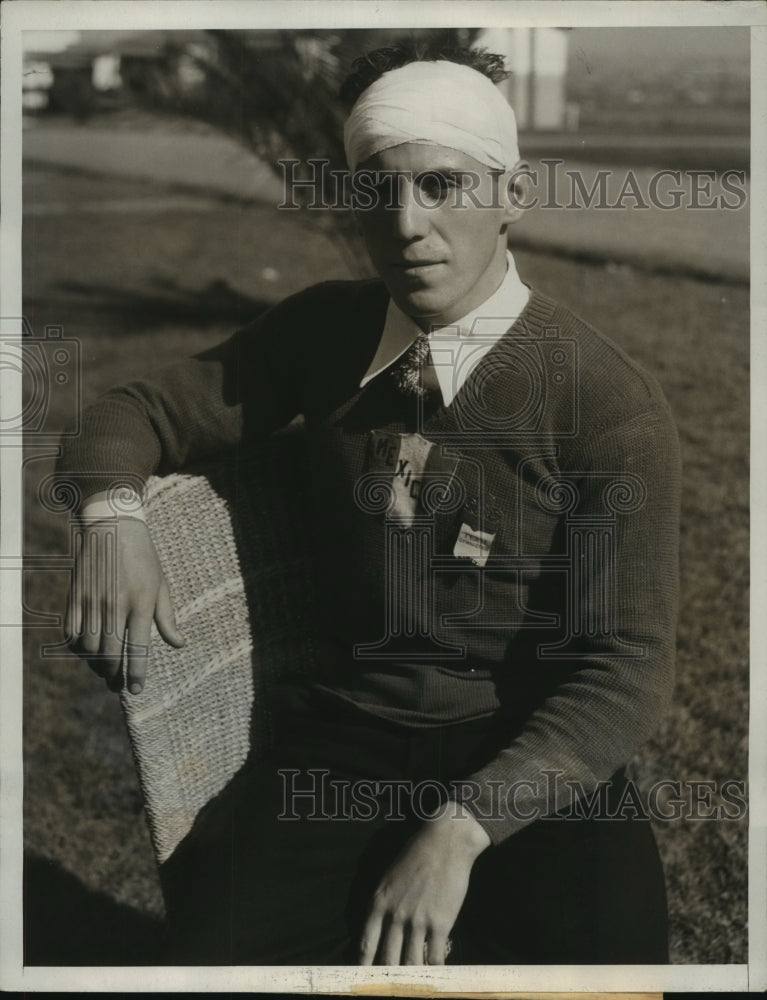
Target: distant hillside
x,y
690,78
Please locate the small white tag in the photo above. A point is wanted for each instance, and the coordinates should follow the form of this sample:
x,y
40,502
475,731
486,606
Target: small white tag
x,y
473,544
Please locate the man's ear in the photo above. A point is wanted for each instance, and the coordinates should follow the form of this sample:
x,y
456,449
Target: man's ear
x,y
516,195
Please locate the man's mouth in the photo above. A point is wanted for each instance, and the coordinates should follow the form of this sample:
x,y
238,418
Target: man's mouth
x,y
417,266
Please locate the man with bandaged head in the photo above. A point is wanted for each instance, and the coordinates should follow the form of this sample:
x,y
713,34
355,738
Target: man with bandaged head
x,y
493,488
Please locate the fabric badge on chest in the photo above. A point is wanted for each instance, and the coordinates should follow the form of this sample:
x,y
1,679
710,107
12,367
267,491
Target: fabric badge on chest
x,y
410,465
479,526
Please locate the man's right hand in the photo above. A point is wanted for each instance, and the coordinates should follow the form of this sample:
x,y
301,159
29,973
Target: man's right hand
x,y
118,589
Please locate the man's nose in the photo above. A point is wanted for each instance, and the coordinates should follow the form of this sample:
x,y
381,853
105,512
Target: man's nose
x,y
410,216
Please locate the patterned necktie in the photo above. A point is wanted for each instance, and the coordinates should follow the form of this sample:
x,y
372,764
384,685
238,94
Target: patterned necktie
x,y
407,372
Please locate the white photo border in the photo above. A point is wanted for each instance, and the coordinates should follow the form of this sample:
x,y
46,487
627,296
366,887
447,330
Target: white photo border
x,y
24,15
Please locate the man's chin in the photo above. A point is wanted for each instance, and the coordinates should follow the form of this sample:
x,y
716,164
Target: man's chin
x,y
423,305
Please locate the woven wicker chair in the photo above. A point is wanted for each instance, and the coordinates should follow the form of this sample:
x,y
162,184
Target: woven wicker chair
x,y
231,539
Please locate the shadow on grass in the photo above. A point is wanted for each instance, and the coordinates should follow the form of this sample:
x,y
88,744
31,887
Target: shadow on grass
x,y
166,300
65,923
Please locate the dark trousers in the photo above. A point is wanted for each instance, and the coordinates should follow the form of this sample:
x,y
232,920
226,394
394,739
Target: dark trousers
x,y
271,876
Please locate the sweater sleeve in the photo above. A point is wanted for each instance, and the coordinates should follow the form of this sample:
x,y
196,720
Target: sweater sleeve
x,y
242,389
622,668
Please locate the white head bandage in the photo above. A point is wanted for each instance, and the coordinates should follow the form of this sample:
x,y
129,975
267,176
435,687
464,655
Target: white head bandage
x,y
440,103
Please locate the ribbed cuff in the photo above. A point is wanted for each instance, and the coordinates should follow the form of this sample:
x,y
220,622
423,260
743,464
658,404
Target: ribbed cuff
x,y
490,808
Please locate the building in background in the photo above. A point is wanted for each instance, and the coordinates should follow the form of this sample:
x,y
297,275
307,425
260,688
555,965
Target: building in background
x,y
91,71
622,83
536,89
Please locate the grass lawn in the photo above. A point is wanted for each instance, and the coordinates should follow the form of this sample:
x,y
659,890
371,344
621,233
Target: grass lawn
x,y
139,286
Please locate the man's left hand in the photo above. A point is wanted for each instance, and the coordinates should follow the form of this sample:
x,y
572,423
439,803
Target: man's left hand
x,y
417,902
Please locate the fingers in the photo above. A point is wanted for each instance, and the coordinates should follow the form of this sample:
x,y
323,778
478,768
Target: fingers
x,y
436,948
93,578
396,942
371,935
85,614
140,634
108,664
415,947
391,946
111,617
137,649
117,590
165,618
73,616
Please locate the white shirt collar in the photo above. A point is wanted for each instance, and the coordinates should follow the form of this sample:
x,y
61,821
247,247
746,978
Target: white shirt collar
x,y
454,349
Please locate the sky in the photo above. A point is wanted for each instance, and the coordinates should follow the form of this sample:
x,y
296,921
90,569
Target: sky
x,y
602,54
658,49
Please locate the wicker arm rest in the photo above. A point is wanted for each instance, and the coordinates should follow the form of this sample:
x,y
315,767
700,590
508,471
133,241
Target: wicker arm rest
x,y
231,540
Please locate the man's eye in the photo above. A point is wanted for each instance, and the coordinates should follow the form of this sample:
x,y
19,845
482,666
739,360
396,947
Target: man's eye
x,y
434,186
385,186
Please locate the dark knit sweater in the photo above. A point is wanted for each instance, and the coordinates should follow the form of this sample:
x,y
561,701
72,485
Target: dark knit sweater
x,y
557,462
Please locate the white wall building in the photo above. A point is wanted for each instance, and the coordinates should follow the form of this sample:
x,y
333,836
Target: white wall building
x,y
537,58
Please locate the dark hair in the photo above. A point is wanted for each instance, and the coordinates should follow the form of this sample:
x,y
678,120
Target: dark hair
x,y
370,67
